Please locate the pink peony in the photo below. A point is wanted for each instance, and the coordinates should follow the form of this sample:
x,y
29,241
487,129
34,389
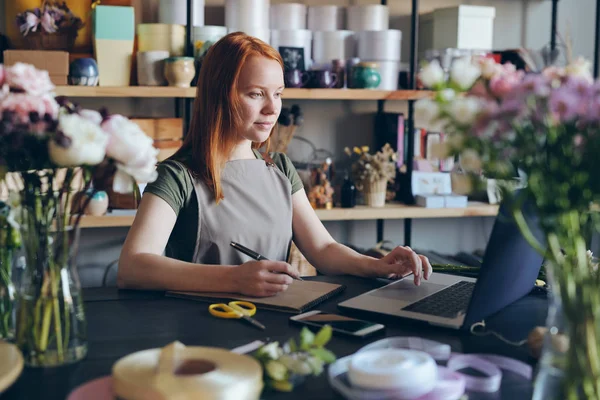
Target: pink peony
x,y
27,78
48,23
29,23
503,84
24,105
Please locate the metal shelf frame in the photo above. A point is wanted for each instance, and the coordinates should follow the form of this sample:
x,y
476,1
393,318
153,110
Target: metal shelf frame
x,y
185,111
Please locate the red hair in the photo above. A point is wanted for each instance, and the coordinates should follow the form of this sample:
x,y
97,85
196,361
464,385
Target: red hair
x,y
217,111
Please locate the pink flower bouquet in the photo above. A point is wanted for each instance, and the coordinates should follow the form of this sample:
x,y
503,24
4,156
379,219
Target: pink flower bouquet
x,y
543,126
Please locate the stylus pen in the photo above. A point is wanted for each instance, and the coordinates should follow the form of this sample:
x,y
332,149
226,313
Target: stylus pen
x,y
254,255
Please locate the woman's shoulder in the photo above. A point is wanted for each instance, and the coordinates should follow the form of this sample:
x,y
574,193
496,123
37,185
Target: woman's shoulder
x,y
173,183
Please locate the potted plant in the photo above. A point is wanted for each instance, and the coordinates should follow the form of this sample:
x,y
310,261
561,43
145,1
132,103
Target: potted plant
x,y
372,172
50,27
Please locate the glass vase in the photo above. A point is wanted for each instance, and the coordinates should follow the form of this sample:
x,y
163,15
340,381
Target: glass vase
x,y
51,323
7,295
569,366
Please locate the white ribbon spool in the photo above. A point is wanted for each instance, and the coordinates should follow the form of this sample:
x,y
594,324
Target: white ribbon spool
x,y
412,373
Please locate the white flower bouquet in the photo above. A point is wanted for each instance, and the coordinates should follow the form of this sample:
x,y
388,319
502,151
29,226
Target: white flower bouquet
x,y
46,144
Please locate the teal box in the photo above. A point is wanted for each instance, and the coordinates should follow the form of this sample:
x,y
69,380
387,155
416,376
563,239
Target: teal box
x,y
113,23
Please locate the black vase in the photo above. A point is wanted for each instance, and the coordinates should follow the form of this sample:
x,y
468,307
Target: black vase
x,y
348,195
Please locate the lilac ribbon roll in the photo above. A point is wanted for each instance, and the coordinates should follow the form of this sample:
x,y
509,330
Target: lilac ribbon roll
x,y
449,383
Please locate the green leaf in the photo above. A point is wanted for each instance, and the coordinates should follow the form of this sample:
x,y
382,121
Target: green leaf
x,y
276,370
323,336
282,386
324,355
306,338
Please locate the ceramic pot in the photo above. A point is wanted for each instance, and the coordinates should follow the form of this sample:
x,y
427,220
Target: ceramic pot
x,y
365,76
83,72
151,67
180,71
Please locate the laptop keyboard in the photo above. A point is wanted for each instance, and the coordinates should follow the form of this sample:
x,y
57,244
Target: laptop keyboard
x,y
447,302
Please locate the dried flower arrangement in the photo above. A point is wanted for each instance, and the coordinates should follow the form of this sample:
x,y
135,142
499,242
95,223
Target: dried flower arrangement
x,y
52,26
371,168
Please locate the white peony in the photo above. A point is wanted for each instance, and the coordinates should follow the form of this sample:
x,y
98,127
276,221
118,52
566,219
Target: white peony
x,y
427,115
470,160
133,151
489,67
580,68
432,74
447,94
84,142
464,109
464,73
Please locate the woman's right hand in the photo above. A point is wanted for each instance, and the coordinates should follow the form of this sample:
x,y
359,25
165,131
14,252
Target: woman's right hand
x,y
263,278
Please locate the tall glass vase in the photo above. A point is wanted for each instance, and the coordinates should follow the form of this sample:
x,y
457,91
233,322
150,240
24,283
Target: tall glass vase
x,y
548,383
7,294
51,323
569,367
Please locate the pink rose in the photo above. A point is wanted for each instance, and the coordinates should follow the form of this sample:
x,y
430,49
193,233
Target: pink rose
x,y
23,105
2,75
27,78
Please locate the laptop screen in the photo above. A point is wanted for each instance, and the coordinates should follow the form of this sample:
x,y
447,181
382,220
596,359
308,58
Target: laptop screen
x,y
509,269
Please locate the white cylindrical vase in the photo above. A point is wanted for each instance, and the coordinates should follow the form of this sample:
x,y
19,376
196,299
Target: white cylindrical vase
x,y
288,41
379,45
175,12
333,45
288,16
368,17
326,18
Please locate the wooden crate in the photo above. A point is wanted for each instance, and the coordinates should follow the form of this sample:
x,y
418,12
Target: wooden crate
x,y
161,128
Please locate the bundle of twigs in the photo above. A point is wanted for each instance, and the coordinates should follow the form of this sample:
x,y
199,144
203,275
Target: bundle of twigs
x,y
289,120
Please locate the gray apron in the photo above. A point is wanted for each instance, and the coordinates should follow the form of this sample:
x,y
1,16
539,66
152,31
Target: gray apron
x,y
256,212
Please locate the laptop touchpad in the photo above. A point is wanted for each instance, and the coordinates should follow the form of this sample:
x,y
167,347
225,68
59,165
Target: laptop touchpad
x,y
406,291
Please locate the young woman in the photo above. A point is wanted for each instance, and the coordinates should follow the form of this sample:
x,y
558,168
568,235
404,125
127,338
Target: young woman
x,y
218,188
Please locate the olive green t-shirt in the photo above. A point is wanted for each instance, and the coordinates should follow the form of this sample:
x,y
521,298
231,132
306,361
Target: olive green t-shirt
x,y
174,185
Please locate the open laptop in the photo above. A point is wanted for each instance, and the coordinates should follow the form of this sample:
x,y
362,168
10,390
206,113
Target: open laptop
x,y
508,272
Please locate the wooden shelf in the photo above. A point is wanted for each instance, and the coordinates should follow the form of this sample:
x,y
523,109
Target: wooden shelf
x,y
390,211
402,211
300,94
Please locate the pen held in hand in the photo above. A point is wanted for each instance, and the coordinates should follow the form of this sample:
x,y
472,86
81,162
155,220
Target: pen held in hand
x,y
254,255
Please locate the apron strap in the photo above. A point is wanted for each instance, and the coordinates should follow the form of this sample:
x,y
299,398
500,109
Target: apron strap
x,y
268,159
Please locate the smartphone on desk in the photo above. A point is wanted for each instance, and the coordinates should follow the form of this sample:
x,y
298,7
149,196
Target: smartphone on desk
x,y
339,323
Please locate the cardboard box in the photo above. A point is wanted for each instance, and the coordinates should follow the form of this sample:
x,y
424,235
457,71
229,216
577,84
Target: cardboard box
x,y
55,62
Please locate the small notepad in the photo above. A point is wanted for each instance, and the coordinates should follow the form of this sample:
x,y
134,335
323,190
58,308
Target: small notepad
x,y
299,297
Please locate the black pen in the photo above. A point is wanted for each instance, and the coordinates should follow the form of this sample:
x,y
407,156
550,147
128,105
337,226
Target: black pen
x,y
254,255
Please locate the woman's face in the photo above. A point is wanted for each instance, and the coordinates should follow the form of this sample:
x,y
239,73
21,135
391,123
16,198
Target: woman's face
x,y
259,88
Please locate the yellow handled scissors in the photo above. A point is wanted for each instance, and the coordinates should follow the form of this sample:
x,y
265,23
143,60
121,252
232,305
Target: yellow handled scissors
x,y
236,309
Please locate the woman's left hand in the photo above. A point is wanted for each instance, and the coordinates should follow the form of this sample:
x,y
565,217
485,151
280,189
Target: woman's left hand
x,y
402,261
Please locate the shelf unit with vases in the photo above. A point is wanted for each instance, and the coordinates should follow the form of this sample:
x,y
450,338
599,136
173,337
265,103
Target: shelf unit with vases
x,y
407,212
